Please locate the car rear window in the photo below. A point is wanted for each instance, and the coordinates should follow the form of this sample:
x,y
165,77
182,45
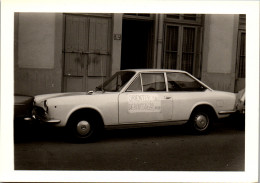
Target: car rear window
x,y
183,82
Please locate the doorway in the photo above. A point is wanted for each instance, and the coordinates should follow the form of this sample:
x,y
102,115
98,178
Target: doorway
x,y
137,44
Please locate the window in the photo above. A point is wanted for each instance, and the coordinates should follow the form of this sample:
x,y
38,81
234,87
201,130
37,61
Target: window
x,y
182,43
183,82
135,86
181,48
192,17
140,16
184,18
241,49
188,49
173,16
153,82
171,48
242,54
242,21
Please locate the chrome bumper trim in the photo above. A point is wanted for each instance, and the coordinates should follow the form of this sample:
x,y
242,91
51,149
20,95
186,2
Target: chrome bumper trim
x,y
28,119
226,112
53,121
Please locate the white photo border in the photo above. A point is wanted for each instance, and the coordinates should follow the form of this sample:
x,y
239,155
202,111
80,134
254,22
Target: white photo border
x,y
250,8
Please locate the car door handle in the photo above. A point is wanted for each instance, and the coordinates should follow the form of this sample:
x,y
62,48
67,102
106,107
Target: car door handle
x,y
167,97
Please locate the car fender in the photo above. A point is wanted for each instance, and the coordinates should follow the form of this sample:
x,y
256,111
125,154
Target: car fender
x,y
80,107
204,103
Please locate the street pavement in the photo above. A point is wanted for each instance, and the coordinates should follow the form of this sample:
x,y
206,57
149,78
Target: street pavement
x,y
147,149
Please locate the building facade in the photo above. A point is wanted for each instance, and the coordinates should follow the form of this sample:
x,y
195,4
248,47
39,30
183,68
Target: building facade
x,y
62,52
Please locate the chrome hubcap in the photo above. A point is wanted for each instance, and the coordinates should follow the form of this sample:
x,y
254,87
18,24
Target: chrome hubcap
x,y
201,121
83,127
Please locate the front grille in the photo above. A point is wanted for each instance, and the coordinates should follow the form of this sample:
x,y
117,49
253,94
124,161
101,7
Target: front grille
x,y
39,112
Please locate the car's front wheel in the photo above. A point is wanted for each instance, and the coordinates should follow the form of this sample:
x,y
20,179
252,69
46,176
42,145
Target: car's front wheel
x,y
83,129
200,121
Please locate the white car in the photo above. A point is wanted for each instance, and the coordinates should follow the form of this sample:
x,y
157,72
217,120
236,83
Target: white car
x,y
132,98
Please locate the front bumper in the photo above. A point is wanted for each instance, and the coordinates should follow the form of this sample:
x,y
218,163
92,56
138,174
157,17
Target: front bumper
x,y
54,121
40,114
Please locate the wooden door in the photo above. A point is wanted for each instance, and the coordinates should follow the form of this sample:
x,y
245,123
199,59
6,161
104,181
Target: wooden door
x,y
87,51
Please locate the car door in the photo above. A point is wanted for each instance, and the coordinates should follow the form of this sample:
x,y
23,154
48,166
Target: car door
x,y
145,100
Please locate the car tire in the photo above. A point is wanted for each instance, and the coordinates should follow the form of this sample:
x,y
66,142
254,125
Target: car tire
x,y
83,129
200,121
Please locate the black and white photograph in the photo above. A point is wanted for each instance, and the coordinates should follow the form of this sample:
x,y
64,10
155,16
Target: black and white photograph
x,y
130,93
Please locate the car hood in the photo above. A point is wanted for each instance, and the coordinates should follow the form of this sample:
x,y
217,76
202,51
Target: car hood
x,y
39,98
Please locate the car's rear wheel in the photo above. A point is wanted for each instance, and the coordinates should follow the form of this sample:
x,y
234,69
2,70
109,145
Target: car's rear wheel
x,y
200,121
83,129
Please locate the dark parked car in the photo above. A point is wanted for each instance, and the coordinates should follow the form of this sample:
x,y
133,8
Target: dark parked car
x,y
22,116
23,107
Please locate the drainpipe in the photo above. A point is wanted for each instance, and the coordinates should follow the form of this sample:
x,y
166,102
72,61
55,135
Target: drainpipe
x,y
160,41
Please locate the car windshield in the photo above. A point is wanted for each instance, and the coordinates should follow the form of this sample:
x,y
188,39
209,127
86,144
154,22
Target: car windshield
x,y
116,82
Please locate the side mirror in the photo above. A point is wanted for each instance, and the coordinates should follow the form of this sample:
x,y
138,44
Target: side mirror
x,y
90,92
129,91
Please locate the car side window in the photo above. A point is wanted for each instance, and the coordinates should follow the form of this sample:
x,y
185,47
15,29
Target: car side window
x,y
153,82
183,82
135,85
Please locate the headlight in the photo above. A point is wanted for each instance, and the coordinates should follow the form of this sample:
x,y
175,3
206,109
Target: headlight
x,y
46,105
